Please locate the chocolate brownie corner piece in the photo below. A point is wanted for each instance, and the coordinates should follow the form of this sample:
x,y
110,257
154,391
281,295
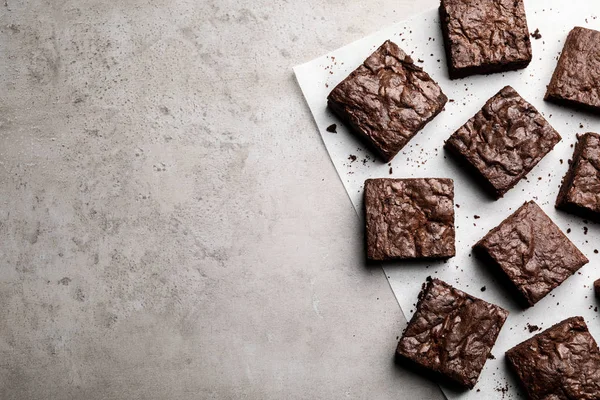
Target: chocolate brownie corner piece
x,y
503,142
451,334
532,252
387,100
575,79
483,37
409,218
580,191
562,362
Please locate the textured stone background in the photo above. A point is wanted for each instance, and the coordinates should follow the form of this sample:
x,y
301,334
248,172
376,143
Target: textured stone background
x,y
171,225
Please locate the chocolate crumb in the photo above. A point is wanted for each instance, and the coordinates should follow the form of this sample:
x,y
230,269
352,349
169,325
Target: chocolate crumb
x,y
491,357
533,328
483,289
391,170
332,128
476,216
569,230
536,35
585,230
352,158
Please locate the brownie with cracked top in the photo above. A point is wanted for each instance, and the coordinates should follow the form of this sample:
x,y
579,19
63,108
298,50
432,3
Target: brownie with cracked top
x,y
575,79
580,190
451,334
409,218
503,142
561,363
387,100
532,252
484,36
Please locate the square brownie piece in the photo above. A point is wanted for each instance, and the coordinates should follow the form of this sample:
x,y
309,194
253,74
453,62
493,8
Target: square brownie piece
x,y
561,363
409,218
387,100
484,36
580,191
503,142
451,334
532,252
575,79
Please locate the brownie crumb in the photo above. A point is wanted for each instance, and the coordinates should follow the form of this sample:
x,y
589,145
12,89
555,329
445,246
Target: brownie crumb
x,y
595,251
585,230
483,289
476,216
502,389
352,158
451,100
536,35
533,328
491,357
580,126
569,230
332,128
391,170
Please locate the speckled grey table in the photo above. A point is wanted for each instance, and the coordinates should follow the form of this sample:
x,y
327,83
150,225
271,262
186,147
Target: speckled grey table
x,y
171,225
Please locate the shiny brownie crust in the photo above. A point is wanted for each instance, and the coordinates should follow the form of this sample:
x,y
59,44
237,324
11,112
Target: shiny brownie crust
x,y
575,79
484,36
580,191
387,100
409,218
451,334
532,252
561,363
503,142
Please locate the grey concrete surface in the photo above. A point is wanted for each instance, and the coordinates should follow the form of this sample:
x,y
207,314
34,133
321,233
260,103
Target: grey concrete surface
x,y
171,225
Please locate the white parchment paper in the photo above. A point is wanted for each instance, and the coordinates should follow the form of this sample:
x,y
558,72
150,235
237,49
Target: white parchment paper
x,y
424,157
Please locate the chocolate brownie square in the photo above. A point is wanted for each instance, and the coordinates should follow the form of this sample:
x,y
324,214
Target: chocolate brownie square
x,y
575,79
532,252
484,36
451,334
409,218
387,100
580,191
561,363
503,142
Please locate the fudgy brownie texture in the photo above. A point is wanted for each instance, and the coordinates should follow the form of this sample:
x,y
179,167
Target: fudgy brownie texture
x,y
387,100
532,252
561,363
409,218
580,191
503,142
597,288
575,79
451,334
484,36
